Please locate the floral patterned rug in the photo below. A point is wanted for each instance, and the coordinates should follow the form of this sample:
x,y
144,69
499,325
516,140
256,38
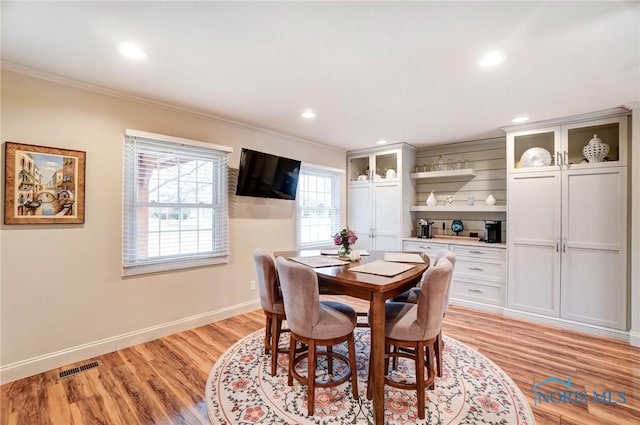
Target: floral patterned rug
x,y
472,390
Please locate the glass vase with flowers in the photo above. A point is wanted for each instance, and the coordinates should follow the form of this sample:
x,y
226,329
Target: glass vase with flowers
x,y
345,239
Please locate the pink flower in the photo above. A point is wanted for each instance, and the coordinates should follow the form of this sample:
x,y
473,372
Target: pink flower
x,y
345,237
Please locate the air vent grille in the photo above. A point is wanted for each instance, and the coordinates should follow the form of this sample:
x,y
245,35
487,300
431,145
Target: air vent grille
x,y
76,370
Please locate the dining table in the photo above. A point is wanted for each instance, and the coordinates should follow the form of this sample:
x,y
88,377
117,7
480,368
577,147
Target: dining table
x,y
375,288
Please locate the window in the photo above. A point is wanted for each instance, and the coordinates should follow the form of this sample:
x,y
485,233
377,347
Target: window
x,y
175,203
318,206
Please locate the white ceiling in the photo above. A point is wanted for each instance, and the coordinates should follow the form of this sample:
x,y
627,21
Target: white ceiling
x,y
400,71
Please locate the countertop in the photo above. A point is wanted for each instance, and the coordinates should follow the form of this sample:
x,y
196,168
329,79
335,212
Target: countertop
x,y
453,241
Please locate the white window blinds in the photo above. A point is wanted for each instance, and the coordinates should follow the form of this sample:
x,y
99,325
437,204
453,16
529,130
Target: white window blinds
x,y
175,212
318,206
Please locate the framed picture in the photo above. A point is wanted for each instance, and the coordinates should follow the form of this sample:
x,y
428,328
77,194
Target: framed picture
x,y
43,185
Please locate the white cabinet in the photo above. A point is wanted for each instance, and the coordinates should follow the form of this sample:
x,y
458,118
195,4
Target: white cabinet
x,y
567,225
533,221
561,146
594,247
425,246
479,273
379,195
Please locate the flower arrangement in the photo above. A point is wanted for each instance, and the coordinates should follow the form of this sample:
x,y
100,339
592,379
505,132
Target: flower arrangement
x,y
345,238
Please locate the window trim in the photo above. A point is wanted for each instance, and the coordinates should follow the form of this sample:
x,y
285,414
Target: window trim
x,y
169,264
339,173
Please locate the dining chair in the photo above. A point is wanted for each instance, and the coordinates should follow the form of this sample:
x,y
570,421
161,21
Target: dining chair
x,y
317,324
415,327
411,296
272,304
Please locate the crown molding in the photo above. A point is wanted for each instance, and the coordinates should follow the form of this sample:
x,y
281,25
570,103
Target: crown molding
x,y
60,79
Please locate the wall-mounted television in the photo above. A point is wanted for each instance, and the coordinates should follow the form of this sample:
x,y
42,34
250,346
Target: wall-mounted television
x,y
264,175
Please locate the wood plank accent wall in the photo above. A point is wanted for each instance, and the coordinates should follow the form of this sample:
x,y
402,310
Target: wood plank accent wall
x,y
488,158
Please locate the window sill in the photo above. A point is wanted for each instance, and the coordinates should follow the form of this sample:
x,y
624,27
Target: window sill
x,y
170,266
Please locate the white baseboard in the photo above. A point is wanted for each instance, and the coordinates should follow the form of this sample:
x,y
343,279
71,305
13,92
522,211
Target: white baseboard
x,y
569,324
39,364
480,306
634,338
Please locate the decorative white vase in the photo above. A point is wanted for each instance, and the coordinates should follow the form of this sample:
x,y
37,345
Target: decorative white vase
x,y
491,200
596,150
431,200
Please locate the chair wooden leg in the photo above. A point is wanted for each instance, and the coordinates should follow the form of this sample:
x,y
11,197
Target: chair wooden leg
x,y
387,349
267,334
330,360
275,339
292,353
394,362
311,378
352,361
439,346
369,382
420,378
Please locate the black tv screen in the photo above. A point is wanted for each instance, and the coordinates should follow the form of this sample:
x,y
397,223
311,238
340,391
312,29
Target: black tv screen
x,y
267,176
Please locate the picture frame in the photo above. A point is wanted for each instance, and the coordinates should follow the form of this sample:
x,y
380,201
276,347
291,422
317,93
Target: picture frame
x,y
43,185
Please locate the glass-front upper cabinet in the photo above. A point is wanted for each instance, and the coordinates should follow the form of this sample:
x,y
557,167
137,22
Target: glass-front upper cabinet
x,y
376,166
601,143
533,150
577,145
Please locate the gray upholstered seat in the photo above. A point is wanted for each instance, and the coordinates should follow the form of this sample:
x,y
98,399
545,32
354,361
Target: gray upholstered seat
x,y
417,326
272,304
315,323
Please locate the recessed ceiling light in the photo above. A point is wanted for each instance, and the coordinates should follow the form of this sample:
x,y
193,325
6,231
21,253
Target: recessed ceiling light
x,y
308,114
492,58
381,142
131,51
522,118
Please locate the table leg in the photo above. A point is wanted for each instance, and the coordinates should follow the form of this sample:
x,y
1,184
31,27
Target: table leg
x,y
377,356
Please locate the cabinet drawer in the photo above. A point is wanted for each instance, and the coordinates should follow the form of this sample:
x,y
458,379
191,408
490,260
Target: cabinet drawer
x,y
484,269
479,252
429,248
479,292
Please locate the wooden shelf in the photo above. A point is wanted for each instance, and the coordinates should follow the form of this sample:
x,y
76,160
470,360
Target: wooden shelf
x,y
460,208
447,173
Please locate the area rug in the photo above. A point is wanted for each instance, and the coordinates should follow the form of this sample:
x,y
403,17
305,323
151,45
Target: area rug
x,y
472,390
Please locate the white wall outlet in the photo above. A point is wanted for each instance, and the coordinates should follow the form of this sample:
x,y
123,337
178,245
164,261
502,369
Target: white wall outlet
x,y
252,285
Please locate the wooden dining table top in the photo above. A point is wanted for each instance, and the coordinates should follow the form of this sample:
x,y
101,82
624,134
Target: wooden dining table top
x,y
342,275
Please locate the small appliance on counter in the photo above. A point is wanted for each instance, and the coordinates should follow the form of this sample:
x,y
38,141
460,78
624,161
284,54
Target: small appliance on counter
x,y
492,231
425,229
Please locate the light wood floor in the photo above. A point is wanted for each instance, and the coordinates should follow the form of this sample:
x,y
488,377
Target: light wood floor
x,y
162,382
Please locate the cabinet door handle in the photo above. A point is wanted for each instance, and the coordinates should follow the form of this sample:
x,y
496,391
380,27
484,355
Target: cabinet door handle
x,y
478,269
476,291
565,159
476,252
558,244
425,247
564,244
559,159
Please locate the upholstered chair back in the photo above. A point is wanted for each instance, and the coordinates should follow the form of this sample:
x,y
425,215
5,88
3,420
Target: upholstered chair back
x,y
299,286
432,298
451,256
268,284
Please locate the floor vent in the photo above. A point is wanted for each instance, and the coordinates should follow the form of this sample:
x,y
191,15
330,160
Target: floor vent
x,y
76,370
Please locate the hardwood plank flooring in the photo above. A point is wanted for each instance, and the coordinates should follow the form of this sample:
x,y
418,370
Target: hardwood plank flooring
x,y
162,381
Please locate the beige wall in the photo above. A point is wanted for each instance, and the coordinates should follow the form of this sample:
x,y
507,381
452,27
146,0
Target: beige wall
x,y
63,298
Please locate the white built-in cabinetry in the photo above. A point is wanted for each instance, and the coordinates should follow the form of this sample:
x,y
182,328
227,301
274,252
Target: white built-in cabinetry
x,y
380,194
479,274
567,222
